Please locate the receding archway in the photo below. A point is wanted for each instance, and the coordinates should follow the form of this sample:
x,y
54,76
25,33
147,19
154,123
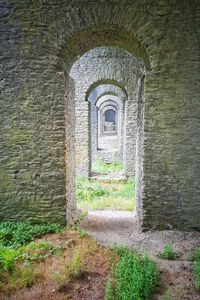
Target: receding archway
x,y
103,66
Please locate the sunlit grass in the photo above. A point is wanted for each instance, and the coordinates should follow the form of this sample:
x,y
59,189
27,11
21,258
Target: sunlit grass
x,y
99,166
93,195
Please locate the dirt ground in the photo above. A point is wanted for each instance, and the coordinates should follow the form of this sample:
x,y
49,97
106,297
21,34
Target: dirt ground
x,y
120,228
89,285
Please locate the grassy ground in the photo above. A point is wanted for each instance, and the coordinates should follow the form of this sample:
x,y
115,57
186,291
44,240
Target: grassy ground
x,y
97,195
49,262
68,265
101,167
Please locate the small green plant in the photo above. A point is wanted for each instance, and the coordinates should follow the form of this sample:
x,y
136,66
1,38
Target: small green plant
x,y
167,253
87,189
94,195
169,295
8,257
100,166
71,269
109,294
16,234
194,255
13,239
83,233
135,276
197,274
37,251
76,224
25,276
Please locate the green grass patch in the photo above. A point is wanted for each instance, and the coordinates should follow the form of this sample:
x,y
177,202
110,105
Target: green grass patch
x,y
16,234
195,256
99,166
197,274
167,253
134,277
87,190
13,245
97,195
25,276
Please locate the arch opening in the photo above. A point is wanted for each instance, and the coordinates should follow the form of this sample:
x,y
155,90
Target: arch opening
x,y
108,79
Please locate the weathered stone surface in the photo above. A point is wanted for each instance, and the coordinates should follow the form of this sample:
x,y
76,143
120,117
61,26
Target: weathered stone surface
x,y
39,42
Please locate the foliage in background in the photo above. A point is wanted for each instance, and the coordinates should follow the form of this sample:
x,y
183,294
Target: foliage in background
x,y
99,166
167,253
134,277
94,195
88,190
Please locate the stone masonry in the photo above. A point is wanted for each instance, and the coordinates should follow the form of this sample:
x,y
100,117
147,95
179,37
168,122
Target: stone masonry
x,y
39,43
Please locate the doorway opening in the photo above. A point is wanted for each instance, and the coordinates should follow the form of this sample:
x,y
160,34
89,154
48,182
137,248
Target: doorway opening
x,y
106,90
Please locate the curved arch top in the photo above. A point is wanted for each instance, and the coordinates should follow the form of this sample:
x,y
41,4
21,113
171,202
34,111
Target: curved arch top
x,y
92,37
102,82
110,90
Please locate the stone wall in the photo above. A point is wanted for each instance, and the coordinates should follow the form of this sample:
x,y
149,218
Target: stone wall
x,y
39,42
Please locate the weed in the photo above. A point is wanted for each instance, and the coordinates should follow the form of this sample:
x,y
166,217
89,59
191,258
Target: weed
x,y
169,295
109,294
37,251
83,233
194,255
135,276
197,275
25,276
100,166
88,189
16,234
167,253
93,195
76,224
7,259
71,269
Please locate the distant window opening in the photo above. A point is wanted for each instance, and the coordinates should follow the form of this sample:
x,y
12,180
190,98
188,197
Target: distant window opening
x,y
109,121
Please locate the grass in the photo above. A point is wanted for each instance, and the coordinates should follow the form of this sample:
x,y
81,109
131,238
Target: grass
x,y
70,270
16,234
134,277
195,256
167,253
17,252
24,276
93,195
99,166
64,262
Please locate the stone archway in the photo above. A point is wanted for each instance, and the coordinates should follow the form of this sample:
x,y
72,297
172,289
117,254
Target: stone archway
x,y
104,65
46,40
